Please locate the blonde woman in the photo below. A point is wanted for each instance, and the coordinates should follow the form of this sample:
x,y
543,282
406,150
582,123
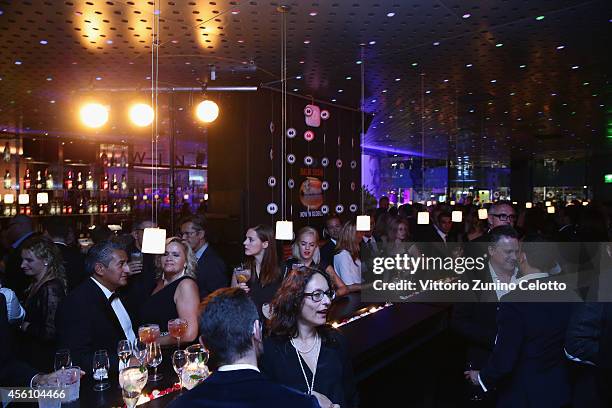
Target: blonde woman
x,y
42,262
346,260
176,293
305,251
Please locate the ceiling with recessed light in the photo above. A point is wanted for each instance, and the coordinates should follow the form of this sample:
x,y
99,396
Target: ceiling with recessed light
x,y
444,79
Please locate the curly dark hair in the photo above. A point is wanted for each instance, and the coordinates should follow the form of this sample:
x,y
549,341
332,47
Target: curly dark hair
x,y
288,302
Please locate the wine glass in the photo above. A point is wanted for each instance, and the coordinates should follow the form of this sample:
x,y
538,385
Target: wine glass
x,y
132,380
475,391
197,354
124,351
62,359
149,333
177,329
100,369
179,361
154,358
139,350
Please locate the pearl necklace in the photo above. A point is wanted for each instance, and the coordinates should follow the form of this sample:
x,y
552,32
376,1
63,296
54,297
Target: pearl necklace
x,y
314,343
309,386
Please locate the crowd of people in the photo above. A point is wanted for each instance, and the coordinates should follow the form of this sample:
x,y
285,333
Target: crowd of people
x,y
551,353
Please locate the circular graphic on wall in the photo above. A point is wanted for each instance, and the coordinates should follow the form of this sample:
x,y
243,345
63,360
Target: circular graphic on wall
x,y
325,185
339,208
311,194
309,135
290,183
324,209
353,208
325,162
291,158
308,111
324,114
353,164
308,160
271,181
338,163
291,132
353,186
272,208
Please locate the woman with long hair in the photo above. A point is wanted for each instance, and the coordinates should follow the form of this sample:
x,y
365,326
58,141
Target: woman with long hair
x,y
303,351
262,262
346,260
306,252
176,293
42,262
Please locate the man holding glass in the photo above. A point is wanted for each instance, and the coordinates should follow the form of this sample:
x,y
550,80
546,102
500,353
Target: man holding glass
x,y
211,271
141,280
93,317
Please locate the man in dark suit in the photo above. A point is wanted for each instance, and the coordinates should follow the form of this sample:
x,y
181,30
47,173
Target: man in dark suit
x,y
527,366
57,229
141,281
93,317
211,271
20,228
231,331
333,225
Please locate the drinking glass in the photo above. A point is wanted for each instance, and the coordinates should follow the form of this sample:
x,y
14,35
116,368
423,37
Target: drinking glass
x,y
149,333
197,353
124,351
242,274
475,390
100,370
47,385
70,381
139,349
154,358
132,380
177,329
179,361
62,359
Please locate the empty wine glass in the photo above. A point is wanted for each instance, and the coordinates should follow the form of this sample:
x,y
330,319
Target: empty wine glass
x,y
139,349
154,359
124,351
62,359
177,329
179,361
100,369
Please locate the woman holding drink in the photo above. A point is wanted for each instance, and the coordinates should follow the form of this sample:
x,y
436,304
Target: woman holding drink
x,y
173,305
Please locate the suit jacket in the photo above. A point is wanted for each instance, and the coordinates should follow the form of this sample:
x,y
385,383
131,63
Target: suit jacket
x,y
12,372
211,273
242,389
527,366
327,252
86,322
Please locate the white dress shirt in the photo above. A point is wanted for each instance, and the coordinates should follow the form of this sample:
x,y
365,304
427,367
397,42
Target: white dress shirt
x,y
234,367
348,270
120,312
494,278
16,313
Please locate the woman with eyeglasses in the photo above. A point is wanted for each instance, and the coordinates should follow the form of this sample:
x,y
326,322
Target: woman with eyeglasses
x,y
303,351
306,252
262,262
176,293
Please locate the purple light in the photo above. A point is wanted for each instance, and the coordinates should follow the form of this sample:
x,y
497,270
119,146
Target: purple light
x,y
391,150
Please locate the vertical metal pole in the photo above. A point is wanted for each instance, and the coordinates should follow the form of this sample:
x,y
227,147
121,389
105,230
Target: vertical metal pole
x,y
172,192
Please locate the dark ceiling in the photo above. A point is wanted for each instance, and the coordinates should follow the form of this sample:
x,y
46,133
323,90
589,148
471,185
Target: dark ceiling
x,y
480,79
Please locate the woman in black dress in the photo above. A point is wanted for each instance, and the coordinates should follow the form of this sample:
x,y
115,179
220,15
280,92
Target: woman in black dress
x,y
262,261
42,261
176,293
302,351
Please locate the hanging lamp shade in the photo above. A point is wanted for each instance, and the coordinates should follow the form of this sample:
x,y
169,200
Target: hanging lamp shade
x,y
284,230
550,209
457,216
154,241
482,214
42,198
363,223
23,199
423,217
528,205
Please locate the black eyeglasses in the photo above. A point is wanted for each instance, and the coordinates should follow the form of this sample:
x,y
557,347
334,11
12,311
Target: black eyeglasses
x,y
317,295
187,233
505,217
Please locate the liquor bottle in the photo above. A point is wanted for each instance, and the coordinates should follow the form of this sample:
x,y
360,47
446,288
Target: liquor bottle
x,y
114,185
68,181
79,181
113,161
105,182
8,182
6,154
115,209
104,159
26,179
81,206
123,160
38,180
48,180
89,183
124,185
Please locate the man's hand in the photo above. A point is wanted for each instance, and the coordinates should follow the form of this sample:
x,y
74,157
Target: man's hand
x,y
472,376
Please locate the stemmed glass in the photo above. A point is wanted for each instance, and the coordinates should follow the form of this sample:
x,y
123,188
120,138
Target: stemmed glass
x,y
179,361
132,380
62,359
148,333
154,358
139,349
178,328
242,274
100,369
124,351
